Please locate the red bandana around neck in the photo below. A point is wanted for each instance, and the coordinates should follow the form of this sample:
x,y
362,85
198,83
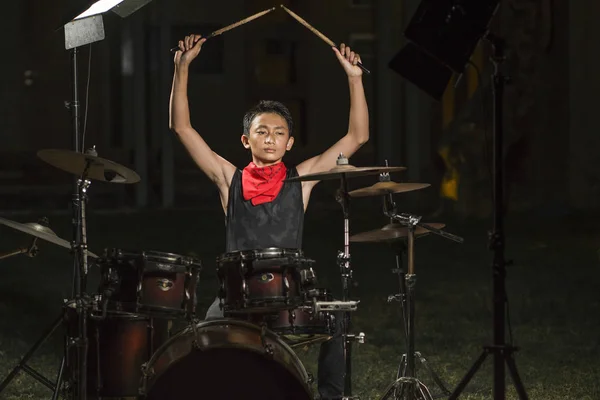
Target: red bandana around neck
x,y
262,184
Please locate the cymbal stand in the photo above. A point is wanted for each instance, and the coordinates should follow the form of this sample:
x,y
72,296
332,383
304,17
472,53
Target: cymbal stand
x,y
79,245
343,260
399,247
22,365
407,386
31,251
80,266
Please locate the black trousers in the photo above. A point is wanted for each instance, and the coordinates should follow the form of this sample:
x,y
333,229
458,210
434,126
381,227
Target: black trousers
x,y
331,367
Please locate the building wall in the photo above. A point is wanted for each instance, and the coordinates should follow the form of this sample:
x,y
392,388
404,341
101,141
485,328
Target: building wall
x,y
548,104
131,73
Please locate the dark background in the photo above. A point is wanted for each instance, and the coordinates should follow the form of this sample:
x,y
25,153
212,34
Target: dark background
x,y
552,171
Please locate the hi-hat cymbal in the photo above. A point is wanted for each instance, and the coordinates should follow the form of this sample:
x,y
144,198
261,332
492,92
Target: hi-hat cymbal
x,y
349,171
391,232
41,232
99,169
383,188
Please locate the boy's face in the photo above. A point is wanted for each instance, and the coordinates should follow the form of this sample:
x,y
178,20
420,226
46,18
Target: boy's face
x,y
268,139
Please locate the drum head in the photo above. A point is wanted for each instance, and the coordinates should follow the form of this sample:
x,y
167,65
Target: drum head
x,y
225,374
269,253
164,261
223,360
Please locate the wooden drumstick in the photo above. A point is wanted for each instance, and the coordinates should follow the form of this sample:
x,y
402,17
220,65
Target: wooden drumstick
x,y
234,25
316,32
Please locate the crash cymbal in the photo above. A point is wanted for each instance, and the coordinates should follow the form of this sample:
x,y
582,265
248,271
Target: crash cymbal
x,y
40,231
391,232
99,169
349,171
383,188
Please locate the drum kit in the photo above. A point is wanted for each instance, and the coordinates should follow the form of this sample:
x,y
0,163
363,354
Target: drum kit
x,y
120,341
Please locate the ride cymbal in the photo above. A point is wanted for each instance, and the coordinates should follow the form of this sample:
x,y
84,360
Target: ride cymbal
x,y
349,171
98,169
383,188
40,231
391,232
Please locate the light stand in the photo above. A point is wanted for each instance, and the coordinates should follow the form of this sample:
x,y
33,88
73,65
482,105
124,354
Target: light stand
x,y
446,33
502,352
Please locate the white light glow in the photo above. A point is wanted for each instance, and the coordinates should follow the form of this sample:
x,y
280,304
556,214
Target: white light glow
x,y
98,8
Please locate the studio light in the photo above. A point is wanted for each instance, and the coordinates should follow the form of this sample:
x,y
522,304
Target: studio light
x,y
442,35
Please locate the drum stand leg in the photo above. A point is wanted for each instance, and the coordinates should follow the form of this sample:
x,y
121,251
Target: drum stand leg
x,y
22,365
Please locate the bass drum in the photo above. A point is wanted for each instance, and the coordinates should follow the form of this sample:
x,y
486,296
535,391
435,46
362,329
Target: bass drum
x,y
222,360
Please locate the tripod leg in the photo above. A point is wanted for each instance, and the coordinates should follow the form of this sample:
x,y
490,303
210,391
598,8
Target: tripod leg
x,y
402,367
436,378
512,368
58,383
401,373
23,363
465,381
423,391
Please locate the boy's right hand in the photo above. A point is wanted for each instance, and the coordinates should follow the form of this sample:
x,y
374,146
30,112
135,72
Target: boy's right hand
x,y
189,48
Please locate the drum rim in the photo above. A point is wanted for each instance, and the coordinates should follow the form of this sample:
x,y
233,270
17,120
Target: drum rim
x,y
148,381
112,313
252,254
172,258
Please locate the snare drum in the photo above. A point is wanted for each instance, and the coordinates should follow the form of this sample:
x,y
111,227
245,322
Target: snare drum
x,y
263,280
301,323
149,282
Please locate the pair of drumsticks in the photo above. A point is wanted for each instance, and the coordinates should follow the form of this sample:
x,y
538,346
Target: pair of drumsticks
x,y
260,14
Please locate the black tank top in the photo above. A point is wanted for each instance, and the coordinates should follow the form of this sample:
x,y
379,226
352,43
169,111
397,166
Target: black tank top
x,y
278,223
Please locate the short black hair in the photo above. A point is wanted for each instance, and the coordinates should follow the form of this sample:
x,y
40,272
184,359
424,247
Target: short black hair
x,y
268,106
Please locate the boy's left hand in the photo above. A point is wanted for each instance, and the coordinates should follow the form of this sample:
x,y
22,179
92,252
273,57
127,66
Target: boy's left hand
x,y
348,59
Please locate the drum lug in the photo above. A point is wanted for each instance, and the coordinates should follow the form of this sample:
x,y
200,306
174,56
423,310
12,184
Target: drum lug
x,y
286,284
139,291
308,278
268,348
292,319
147,374
196,345
244,292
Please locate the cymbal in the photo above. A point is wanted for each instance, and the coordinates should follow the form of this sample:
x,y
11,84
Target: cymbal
x,y
41,232
99,169
349,171
383,188
390,232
